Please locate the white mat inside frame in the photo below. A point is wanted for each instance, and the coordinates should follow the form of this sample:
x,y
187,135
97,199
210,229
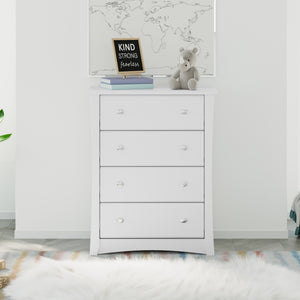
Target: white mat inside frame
x,y
154,279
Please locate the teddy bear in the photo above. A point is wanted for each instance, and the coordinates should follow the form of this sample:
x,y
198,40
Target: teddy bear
x,y
187,76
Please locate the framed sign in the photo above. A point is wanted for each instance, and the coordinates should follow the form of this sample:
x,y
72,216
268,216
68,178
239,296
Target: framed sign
x,y
128,56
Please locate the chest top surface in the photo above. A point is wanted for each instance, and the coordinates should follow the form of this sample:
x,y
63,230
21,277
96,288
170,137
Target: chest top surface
x,y
155,91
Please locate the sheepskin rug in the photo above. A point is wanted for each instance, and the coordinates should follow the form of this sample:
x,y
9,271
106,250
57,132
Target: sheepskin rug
x,y
155,279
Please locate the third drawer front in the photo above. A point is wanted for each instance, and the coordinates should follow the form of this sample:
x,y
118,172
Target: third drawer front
x,y
151,148
152,184
152,220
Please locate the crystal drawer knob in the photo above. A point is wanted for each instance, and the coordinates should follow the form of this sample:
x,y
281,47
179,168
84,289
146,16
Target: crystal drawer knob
x,y
184,147
184,111
184,220
185,184
120,147
120,111
120,183
120,220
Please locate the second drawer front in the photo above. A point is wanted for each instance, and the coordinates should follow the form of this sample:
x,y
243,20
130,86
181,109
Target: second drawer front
x,y
134,148
152,184
152,220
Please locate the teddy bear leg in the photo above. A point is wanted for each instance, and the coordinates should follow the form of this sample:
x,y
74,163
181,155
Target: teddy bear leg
x,y
174,84
192,84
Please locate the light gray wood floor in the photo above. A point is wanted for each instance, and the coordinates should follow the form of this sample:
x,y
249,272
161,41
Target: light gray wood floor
x,y
8,243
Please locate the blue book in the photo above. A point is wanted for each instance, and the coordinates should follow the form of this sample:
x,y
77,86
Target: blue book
x,y
126,86
127,80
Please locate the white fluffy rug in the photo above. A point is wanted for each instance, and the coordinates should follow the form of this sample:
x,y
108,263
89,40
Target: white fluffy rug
x,y
155,279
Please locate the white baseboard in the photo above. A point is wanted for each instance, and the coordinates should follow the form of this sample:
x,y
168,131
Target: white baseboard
x,y
7,215
25,234
241,234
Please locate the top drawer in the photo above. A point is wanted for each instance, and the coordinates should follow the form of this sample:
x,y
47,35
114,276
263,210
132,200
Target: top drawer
x,y
143,112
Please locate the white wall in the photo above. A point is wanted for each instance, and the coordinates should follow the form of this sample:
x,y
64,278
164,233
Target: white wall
x,y
53,145
293,97
53,172
8,103
250,127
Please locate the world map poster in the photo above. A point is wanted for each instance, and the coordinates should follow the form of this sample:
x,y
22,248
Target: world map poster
x,y
163,26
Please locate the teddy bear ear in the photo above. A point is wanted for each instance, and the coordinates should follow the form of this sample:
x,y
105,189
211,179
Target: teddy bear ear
x,y
195,50
181,49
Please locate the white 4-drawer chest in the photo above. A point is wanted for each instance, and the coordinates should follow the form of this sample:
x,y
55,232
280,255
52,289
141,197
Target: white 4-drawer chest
x,y
152,170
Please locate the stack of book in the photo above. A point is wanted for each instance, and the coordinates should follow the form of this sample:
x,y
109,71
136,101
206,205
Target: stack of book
x,y
128,83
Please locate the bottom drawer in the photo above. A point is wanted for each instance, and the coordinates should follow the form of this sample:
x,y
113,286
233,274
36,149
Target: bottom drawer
x,y
152,220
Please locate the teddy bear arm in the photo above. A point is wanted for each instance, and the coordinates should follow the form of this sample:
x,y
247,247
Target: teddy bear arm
x,y
196,74
176,74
